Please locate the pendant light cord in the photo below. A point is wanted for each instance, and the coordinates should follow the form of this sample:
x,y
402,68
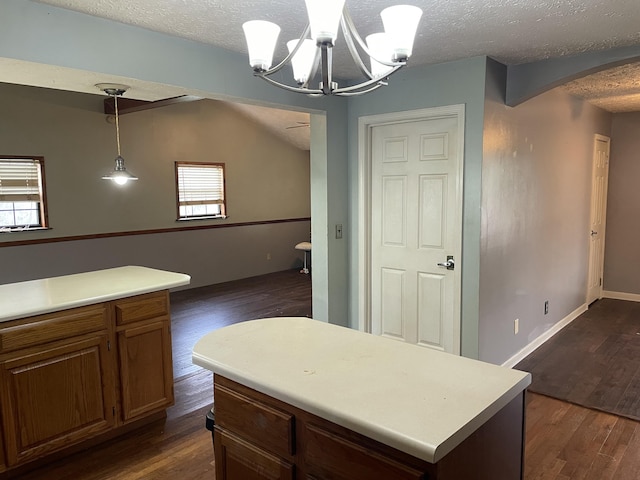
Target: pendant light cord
x,y
115,98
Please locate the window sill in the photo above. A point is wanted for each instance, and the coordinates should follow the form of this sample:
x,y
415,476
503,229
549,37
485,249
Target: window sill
x,y
23,229
204,217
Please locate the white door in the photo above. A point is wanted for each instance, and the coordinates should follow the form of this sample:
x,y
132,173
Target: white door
x,y
600,178
416,224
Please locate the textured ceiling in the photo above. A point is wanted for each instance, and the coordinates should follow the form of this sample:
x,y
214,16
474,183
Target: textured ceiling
x,y
615,90
511,31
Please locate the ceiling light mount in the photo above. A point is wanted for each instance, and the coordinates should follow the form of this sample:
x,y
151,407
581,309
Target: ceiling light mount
x,y
119,174
388,51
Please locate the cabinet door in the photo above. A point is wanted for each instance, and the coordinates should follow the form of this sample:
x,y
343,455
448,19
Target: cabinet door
x,y
56,397
146,368
237,459
330,456
3,462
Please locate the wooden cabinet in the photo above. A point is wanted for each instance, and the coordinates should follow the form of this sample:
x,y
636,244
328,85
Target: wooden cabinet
x,y
257,437
66,378
144,354
56,396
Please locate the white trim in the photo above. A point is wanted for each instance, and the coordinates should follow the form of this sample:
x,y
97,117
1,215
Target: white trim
x,y
545,336
365,126
632,297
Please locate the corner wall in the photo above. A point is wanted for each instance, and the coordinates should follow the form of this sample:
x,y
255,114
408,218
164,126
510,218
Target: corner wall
x,y
536,186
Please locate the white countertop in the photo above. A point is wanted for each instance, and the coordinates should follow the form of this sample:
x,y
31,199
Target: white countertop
x,y
417,400
25,299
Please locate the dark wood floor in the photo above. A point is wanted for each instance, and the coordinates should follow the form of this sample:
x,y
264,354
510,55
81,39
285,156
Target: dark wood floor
x,y
594,361
563,441
197,311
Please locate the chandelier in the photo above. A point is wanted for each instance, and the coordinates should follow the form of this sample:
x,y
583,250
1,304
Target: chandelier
x,y
119,174
387,51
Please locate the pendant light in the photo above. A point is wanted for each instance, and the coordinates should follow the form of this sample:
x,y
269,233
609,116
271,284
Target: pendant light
x,y
119,174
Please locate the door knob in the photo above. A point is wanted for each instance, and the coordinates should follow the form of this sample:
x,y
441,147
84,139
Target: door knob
x,y
449,264
593,232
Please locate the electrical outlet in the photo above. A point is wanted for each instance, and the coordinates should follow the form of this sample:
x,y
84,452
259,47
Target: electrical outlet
x,y
338,231
516,326
268,256
546,307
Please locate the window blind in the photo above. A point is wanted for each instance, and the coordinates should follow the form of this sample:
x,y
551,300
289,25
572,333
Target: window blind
x,y
20,180
200,184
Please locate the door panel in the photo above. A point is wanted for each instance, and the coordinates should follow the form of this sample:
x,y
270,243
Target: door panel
x,y
416,215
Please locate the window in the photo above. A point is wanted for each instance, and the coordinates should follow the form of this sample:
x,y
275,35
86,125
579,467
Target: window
x,y
200,190
22,193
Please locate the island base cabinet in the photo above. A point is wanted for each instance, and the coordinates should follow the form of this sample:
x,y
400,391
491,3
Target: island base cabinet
x,y
322,450
56,396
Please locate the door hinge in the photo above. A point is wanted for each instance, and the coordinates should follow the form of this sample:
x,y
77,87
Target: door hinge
x,y
601,282
109,345
114,411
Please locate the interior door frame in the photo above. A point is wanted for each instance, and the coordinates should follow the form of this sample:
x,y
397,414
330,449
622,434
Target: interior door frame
x,y
603,138
365,127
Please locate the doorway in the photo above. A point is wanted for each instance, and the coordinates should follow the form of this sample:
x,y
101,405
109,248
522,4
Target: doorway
x,y
599,184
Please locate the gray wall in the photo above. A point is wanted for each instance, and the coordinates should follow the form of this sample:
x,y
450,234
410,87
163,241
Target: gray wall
x,y
266,178
460,82
536,185
622,257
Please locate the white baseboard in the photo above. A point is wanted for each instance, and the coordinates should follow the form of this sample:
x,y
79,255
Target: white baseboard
x,y
633,297
545,336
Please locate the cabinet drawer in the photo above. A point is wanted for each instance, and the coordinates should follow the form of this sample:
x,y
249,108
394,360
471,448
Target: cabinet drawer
x,y
142,307
52,326
267,427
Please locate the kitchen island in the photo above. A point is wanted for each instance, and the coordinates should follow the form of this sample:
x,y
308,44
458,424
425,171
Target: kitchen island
x,y
83,357
299,398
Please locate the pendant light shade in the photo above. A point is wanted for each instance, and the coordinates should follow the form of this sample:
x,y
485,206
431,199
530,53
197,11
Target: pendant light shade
x,y
261,42
302,62
324,19
378,44
119,174
400,24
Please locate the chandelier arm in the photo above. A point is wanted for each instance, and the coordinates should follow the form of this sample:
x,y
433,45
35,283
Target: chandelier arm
x,y
353,94
306,91
356,88
348,37
291,54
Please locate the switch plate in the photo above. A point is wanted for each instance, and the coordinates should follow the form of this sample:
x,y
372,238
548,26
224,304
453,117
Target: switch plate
x,y
338,231
516,326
